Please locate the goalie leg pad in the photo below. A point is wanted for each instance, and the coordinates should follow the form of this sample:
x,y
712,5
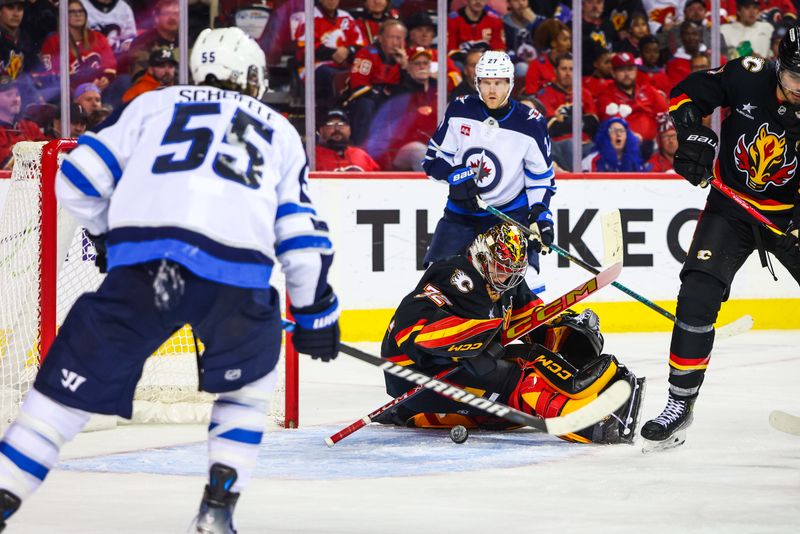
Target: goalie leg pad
x,y
237,425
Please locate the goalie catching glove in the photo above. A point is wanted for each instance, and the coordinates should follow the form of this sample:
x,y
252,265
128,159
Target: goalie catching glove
x,y
316,330
694,159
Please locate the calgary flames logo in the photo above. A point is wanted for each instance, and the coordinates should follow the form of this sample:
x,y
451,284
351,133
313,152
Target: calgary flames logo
x,y
764,160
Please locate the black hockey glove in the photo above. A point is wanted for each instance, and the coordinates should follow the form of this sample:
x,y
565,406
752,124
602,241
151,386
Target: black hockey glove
x,y
789,244
694,158
316,330
463,188
540,221
100,257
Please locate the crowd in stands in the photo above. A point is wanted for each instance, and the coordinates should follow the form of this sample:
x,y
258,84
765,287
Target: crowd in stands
x,y
376,66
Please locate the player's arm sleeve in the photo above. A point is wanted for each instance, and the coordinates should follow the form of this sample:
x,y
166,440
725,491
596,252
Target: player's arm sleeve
x,y
90,173
540,183
703,91
442,148
302,242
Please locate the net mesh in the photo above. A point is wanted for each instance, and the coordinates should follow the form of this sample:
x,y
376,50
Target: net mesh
x,y
168,389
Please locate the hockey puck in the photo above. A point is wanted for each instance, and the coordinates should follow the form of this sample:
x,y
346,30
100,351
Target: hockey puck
x,y
459,434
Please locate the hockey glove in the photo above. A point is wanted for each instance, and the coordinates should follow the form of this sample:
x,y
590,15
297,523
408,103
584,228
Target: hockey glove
x,y
100,252
540,221
789,244
694,158
316,330
463,188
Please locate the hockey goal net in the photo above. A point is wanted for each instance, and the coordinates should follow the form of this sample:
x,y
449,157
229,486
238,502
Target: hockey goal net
x,y
46,262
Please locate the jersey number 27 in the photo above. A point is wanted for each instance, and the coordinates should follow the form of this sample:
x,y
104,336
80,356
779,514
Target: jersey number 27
x,y
200,140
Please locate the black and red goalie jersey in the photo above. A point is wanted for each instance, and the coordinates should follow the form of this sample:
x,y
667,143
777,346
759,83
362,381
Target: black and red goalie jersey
x,y
451,316
758,151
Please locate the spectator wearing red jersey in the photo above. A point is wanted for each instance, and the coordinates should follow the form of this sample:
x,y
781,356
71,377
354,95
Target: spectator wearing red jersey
x,y
474,25
667,145
375,76
650,71
556,97
334,152
680,65
600,78
370,16
337,38
13,129
645,102
421,34
405,122
90,56
160,73
552,38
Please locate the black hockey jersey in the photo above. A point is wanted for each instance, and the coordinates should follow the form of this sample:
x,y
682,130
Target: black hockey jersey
x,y
451,315
760,138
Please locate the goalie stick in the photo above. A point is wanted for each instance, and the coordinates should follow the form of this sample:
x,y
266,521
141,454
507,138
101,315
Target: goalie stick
x,y
535,318
611,230
785,422
608,401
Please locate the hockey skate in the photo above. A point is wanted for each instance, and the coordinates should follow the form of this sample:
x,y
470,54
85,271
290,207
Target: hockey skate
x,y
629,414
216,508
668,430
9,503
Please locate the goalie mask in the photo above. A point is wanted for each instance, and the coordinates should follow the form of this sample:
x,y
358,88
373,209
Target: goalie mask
x,y
232,58
500,256
576,336
495,64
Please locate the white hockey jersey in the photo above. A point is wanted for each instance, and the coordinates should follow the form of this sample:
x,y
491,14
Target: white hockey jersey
x,y
211,179
117,24
510,155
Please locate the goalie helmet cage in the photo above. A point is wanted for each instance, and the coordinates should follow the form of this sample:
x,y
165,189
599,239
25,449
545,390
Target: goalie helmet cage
x,y
46,262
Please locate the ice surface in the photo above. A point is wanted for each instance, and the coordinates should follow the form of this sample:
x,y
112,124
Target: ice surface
x,y
735,473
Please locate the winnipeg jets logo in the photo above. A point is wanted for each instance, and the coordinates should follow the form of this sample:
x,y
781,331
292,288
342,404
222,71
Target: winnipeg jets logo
x,y
462,281
486,166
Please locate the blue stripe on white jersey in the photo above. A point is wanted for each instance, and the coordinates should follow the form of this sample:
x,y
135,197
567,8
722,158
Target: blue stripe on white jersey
x,y
79,179
104,152
318,241
201,255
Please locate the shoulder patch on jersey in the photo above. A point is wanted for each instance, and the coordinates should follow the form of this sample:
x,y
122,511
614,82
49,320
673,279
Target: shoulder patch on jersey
x,y
462,281
432,292
753,64
533,114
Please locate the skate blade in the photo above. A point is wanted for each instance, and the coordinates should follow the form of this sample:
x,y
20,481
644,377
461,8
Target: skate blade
x,y
676,440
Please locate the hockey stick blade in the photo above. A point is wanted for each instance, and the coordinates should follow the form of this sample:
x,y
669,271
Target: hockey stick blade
x,y
608,401
612,237
739,326
785,422
335,438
